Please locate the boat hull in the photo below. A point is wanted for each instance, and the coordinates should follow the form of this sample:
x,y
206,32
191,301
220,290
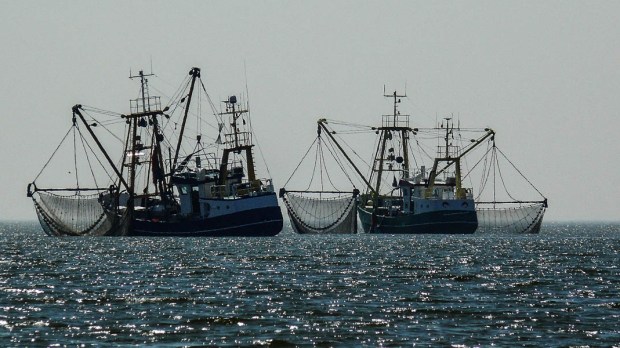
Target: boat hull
x,y
246,217
435,222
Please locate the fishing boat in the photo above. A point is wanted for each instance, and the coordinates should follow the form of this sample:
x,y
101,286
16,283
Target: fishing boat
x,y
165,182
418,204
402,196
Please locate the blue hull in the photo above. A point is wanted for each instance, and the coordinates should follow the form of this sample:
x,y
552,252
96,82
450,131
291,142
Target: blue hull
x,y
260,222
438,222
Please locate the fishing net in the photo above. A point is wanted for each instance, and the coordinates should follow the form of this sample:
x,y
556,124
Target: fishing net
x,y
313,213
77,215
510,217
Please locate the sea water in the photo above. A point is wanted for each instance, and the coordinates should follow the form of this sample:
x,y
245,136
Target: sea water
x,y
558,288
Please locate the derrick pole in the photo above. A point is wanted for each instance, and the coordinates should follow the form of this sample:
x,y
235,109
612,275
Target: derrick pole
x,y
455,160
321,123
195,73
76,111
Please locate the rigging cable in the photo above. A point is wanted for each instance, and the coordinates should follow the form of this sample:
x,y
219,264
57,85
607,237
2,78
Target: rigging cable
x,y
316,155
485,174
483,157
504,183
257,142
302,159
518,171
325,166
104,127
88,159
333,152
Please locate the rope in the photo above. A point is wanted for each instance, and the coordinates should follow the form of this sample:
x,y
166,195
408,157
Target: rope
x,y
339,161
484,157
88,160
54,153
103,125
501,177
316,154
518,171
213,108
485,175
325,167
300,162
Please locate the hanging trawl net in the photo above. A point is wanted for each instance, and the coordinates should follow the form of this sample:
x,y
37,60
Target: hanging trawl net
x,y
77,215
312,213
510,217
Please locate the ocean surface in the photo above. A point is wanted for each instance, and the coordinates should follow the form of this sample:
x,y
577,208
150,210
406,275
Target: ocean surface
x,y
559,288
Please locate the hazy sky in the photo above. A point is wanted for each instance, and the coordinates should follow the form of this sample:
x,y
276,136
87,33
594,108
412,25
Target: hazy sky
x,y
544,74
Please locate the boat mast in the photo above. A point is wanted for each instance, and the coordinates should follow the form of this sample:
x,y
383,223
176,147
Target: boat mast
x,y
237,144
133,121
134,158
233,100
396,125
157,162
142,110
449,129
380,157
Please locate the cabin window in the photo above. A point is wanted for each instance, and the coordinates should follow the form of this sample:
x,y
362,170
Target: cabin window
x,y
184,190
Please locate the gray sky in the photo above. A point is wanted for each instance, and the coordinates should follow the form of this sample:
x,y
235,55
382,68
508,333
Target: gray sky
x,y
544,74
